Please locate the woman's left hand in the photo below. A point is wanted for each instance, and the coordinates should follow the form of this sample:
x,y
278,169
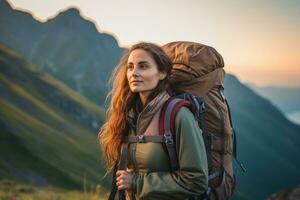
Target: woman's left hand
x,y
124,180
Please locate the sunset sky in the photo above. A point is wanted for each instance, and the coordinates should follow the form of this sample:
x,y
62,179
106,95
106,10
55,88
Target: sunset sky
x,y
259,39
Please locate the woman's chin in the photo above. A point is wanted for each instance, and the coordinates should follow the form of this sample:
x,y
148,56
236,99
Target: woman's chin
x,y
135,90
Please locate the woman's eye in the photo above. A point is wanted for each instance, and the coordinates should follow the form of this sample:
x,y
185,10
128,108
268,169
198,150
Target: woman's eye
x,y
130,67
143,66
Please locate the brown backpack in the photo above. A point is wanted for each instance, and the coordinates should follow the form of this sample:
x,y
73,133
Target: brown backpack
x,y
198,77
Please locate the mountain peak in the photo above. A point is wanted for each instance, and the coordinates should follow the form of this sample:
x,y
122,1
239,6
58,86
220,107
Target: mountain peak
x,y
231,78
71,17
71,12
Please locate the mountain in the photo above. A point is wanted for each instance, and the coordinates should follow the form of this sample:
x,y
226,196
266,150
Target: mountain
x,y
287,99
48,132
268,143
67,46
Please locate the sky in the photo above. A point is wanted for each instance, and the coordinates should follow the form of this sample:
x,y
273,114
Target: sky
x,y
258,39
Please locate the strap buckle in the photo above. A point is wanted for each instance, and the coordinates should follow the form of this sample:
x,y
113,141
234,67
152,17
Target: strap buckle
x,y
169,138
140,139
202,107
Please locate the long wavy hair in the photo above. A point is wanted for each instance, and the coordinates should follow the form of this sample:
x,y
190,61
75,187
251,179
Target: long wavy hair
x,y
113,132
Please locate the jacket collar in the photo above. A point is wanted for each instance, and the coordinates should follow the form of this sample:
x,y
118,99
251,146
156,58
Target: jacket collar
x,y
142,119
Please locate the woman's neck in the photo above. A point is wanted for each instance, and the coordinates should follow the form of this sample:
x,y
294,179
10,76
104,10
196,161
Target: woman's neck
x,y
144,97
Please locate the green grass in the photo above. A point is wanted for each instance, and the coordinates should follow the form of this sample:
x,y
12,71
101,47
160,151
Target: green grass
x,y
24,94
49,80
10,52
13,154
71,93
52,138
10,190
53,147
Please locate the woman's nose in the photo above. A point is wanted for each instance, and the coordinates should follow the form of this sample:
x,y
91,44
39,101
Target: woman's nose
x,y
135,71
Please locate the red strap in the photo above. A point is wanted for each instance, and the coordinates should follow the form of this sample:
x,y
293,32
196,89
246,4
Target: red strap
x,y
175,110
173,114
162,116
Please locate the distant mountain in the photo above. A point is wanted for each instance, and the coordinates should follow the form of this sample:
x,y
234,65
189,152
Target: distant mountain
x,y
48,132
287,99
67,46
268,143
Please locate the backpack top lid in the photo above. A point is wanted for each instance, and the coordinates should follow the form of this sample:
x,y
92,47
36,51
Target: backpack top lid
x,y
197,68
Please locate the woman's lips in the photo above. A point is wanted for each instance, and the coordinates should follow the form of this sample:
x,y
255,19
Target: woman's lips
x,y
136,82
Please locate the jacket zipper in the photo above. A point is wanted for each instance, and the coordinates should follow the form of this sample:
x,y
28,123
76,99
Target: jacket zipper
x,y
134,145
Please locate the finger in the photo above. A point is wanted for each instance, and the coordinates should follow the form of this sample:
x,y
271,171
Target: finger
x,y
126,177
123,187
122,176
120,187
118,184
118,178
119,172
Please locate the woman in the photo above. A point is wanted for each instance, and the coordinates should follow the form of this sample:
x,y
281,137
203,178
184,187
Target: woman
x,y
140,89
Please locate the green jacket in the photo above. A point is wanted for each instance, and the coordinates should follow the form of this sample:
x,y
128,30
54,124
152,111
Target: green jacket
x,y
152,178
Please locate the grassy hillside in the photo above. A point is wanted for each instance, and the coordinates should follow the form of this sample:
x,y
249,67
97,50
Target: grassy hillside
x,y
48,131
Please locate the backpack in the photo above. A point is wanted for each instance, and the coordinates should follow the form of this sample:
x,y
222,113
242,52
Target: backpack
x,y
197,78
197,81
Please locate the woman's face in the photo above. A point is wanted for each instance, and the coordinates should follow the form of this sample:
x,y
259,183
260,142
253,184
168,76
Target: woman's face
x,y
142,73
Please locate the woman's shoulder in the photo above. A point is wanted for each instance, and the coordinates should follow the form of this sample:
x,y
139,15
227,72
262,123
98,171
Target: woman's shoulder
x,y
186,125
184,118
184,114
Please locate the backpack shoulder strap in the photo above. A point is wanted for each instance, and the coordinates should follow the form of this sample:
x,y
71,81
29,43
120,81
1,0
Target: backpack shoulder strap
x,y
167,125
113,184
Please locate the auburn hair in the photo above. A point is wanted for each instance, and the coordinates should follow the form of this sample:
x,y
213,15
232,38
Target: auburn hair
x,y
112,134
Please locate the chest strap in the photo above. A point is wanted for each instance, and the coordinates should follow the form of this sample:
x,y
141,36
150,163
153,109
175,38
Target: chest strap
x,y
146,138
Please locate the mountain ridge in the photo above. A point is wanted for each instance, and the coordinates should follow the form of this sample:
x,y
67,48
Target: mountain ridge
x,y
67,46
287,99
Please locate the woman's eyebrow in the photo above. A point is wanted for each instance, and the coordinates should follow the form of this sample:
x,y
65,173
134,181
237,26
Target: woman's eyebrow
x,y
141,62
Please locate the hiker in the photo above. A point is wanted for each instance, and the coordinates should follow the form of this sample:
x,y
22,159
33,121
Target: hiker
x,y
142,160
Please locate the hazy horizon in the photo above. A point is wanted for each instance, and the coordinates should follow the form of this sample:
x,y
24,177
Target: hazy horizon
x,y
259,41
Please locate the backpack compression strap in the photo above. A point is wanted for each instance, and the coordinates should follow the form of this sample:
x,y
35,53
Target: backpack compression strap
x,y
167,125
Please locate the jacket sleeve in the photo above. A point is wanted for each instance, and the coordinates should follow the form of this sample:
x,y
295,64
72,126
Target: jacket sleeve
x,y
191,178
